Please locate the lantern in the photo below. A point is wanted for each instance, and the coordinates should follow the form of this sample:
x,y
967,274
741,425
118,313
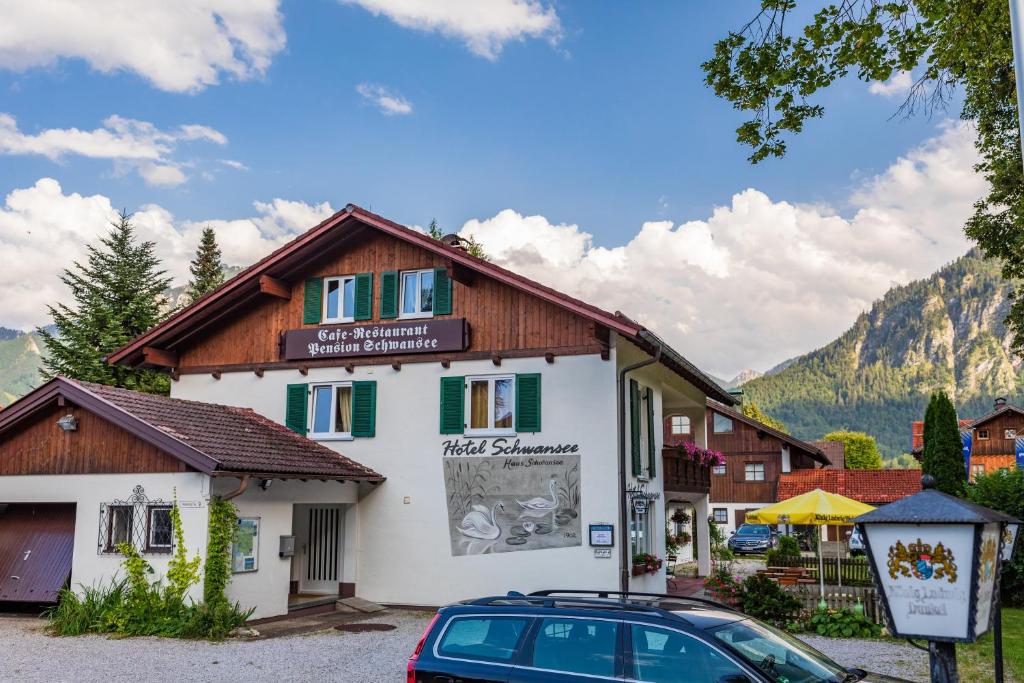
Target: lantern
x,y
936,561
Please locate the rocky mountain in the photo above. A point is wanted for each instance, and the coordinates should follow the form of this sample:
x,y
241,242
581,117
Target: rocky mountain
x,y
945,331
21,356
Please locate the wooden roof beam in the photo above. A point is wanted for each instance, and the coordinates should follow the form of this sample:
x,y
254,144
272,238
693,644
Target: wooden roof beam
x,y
159,357
274,287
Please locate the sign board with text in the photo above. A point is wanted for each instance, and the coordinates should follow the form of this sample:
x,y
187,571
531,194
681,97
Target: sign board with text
x,y
380,339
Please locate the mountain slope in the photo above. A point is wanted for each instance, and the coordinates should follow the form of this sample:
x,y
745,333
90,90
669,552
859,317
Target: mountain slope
x,y
945,331
21,356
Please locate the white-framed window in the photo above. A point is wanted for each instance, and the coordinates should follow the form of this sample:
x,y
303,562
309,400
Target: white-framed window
x,y
754,471
641,530
490,404
159,530
119,526
331,408
977,470
417,296
721,424
680,425
721,515
982,434
339,299
1010,434
718,469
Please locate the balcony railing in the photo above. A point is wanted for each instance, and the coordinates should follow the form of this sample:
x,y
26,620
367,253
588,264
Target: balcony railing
x,y
684,475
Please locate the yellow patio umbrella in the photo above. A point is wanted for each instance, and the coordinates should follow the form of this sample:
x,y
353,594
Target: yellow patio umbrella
x,y
815,507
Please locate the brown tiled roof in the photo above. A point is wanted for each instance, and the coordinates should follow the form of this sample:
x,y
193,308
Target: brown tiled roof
x,y
874,487
835,451
209,437
917,432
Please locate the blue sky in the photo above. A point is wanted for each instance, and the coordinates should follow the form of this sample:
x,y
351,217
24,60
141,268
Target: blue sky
x,y
599,120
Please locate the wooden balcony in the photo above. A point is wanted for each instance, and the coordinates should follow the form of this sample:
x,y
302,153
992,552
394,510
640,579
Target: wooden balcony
x,y
683,475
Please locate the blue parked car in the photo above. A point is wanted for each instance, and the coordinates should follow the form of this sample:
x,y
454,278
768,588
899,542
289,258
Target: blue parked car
x,y
578,636
752,538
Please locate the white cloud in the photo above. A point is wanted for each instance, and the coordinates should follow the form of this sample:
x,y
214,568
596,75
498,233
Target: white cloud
x,y
237,165
390,103
181,46
132,143
898,85
43,230
485,27
755,282
759,281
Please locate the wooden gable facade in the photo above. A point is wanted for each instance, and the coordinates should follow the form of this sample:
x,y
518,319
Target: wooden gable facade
x,y
503,321
748,442
38,445
994,439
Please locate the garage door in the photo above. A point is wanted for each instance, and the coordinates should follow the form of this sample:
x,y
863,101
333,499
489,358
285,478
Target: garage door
x,y
36,544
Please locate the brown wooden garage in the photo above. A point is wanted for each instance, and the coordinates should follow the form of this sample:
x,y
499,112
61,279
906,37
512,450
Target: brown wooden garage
x,y
36,546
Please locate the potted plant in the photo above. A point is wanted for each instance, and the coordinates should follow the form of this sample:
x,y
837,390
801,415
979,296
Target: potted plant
x,y
645,563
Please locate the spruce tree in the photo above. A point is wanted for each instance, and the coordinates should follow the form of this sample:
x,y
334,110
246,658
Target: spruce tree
x,y
943,450
207,269
117,295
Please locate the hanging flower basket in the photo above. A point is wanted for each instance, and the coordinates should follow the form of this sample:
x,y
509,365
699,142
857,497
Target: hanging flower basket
x,y
645,563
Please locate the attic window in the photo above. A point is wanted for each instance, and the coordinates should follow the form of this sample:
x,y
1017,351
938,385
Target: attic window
x,y
339,299
1010,434
982,434
721,424
417,295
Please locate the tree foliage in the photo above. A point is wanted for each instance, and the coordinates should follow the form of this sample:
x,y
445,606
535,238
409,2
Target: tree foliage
x,y
943,449
860,449
775,65
117,295
473,247
207,268
1004,491
750,409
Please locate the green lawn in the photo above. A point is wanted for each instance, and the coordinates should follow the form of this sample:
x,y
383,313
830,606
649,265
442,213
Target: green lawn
x,y
975,660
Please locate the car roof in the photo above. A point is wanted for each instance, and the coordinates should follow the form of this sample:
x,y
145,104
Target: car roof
x,y
679,611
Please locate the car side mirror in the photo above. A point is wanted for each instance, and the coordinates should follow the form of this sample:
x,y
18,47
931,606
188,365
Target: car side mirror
x,y
734,678
732,533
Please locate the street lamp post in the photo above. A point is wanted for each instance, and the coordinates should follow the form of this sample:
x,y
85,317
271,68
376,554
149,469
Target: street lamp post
x,y
936,562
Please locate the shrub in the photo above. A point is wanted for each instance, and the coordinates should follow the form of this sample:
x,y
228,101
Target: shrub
x,y
843,623
721,585
788,548
136,606
719,548
765,599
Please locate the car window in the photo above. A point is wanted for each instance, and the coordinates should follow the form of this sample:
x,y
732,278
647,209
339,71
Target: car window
x,y
779,655
752,530
580,646
659,655
489,638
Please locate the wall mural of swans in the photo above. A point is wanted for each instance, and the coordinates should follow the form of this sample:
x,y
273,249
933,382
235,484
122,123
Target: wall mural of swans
x,y
482,517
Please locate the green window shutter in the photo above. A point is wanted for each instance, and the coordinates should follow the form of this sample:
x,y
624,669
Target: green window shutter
x,y
389,294
453,416
442,292
364,296
364,408
311,305
651,455
528,402
296,404
634,424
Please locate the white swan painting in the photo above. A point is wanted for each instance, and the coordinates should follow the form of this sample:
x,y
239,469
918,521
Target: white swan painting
x,y
479,522
539,503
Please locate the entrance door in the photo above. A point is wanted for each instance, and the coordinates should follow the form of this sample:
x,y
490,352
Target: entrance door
x,y
320,530
36,544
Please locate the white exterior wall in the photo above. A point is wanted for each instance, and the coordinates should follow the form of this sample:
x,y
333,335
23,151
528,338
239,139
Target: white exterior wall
x,y
267,587
89,491
730,526
404,550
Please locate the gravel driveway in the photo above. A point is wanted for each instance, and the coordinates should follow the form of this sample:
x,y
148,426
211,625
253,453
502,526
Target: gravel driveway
x,y
27,654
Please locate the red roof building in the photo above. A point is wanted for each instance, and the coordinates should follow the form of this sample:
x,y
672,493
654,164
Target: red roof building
x,y
874,487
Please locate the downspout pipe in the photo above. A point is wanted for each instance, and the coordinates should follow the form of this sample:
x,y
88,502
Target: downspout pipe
x,y
242,486
624,538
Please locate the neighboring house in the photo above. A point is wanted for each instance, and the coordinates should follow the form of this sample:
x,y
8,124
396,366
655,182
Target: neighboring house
x,y
874,487
992,440
501,413
835,451
756,456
